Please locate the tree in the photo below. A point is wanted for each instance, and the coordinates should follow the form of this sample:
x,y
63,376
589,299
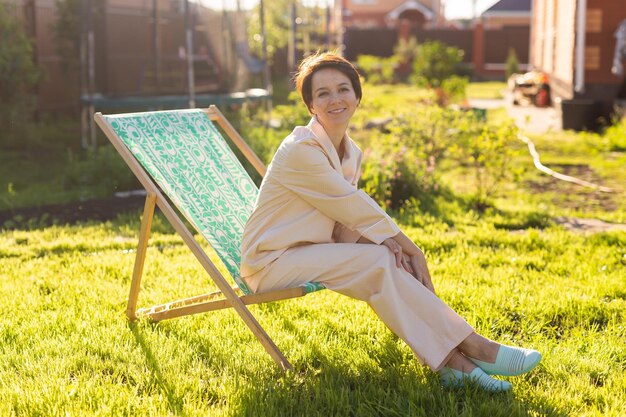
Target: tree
x,y
66,30
512,63
310,32
277,26
18,75
434,62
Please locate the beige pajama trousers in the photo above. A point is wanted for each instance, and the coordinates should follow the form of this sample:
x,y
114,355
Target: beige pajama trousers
x,y
368,272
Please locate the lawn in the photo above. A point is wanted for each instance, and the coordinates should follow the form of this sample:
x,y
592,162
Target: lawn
x,y
486,90
68,350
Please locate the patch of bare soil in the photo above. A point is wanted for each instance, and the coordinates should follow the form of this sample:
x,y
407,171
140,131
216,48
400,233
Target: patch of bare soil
x,y
570,195
94,210
588,225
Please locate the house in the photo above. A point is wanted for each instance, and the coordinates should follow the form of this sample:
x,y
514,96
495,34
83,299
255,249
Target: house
x,y
574,43
502,28
378,14
507,13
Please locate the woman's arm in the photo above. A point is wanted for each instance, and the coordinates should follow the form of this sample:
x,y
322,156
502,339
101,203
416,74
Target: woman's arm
x,y
305,170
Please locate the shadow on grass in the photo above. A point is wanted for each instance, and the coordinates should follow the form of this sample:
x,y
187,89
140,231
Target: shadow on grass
x,y
387,386
451,209
175,404
326,384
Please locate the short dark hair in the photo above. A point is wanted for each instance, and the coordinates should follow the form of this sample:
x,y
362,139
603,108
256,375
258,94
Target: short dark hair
x,y
321,60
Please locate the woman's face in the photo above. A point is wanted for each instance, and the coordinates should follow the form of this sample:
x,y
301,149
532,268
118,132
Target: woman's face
x,y
334,100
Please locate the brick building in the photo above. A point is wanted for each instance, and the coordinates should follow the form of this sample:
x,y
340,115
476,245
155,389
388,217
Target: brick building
x,y
507,13
574,43
377,14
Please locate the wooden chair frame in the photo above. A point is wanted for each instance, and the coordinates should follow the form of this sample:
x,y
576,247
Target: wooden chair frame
x,y
227,296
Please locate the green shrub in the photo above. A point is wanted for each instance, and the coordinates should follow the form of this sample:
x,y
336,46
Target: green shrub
x,y
615,136
403,164
454,89
512,63
391,173
99,172
434,62
487,151
378,70
407,162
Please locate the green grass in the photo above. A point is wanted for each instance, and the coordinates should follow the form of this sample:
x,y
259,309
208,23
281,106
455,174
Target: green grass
x,y
67,348
581,155
32,179
486,90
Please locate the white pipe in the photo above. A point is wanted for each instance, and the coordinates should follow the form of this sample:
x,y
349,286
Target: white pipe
x,y
541,167
581,23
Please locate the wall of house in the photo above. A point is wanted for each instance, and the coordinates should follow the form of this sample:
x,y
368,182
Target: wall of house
x,y
370,14
498,22
553,50
485,52
552,43
603,18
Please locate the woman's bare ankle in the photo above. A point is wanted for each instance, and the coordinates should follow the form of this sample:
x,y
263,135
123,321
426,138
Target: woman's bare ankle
x,y
479,347
460,363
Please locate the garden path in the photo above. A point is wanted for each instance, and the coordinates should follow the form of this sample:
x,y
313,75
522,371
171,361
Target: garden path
x,y
530,119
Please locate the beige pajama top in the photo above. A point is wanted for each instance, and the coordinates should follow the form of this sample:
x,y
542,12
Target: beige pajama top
x,y
309,196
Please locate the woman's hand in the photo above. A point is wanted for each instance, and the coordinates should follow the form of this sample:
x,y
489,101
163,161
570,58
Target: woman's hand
x,y
414,264
396,249
420,270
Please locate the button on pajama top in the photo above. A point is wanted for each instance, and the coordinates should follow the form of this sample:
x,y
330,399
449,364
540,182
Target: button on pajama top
x,y
306,222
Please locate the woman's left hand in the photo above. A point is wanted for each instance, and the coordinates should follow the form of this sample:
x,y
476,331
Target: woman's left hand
x,y
396,249
420,270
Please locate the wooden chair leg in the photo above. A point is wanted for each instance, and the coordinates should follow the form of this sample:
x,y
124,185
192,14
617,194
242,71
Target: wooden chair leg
x,y
223,286
142,246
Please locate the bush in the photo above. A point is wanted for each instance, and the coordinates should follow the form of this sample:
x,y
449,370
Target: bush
x,y
378,70
615,136
99,172
406,163
390,173
487,151
435,62
404,52
453,90
403,164
512,63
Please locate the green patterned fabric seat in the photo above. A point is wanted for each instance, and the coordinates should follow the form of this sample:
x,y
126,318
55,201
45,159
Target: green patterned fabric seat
x,y
189,159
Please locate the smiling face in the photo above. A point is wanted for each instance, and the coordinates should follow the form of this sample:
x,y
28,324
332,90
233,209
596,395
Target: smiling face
x,y
334,100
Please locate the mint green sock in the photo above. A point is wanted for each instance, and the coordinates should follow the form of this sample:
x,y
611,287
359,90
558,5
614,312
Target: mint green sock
x,y
510,361
452,378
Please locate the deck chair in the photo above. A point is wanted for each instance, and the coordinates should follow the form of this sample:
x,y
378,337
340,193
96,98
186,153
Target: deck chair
x,y
182,160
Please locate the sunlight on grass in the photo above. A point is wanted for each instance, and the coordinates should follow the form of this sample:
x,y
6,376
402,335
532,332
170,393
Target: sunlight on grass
x,y
67,348
486,90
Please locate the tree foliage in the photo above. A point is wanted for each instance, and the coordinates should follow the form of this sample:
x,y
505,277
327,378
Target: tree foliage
x,y
66,31
310,31
512,63
277,17
18,75
435,61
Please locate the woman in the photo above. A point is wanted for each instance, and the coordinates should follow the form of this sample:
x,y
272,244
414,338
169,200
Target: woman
x,y
311,223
